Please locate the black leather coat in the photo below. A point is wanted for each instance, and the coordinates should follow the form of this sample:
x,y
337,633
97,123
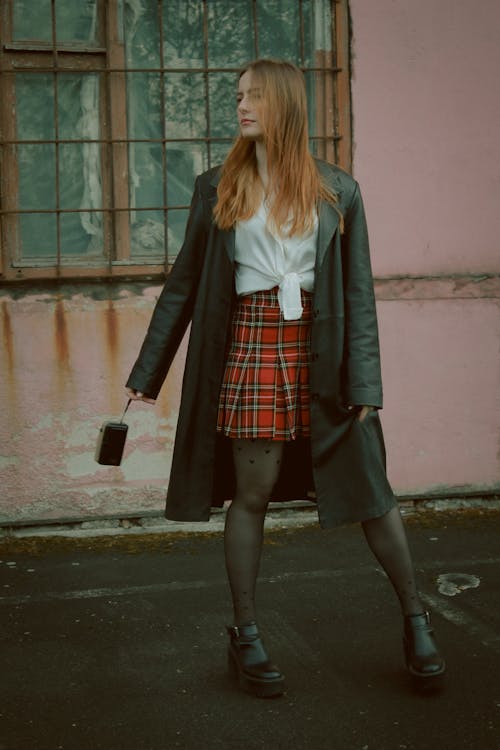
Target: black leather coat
x,y
344,460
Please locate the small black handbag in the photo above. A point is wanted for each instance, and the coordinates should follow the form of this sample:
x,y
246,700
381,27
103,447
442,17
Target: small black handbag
x,y
111,441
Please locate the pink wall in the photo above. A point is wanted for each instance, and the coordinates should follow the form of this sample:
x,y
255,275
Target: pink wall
x,y
426,110
64,361
441,384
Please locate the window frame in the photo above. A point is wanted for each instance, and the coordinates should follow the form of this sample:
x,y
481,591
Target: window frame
x,y
107,60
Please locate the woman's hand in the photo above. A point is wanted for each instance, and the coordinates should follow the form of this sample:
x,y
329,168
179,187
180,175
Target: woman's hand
x,y
362,411
138,396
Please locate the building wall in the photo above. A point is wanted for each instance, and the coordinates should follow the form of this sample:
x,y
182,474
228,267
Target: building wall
x,y
425,104
426,100
65,358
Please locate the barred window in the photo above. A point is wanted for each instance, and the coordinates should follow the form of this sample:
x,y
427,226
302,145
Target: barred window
x,y
110,110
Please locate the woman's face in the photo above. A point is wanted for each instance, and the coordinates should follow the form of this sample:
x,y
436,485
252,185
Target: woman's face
x,y
248,109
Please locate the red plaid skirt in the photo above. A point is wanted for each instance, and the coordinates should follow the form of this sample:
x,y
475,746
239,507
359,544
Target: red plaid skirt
x,y
265,388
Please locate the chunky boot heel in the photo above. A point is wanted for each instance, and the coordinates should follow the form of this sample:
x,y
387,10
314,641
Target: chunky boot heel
x,y
249,663
423,660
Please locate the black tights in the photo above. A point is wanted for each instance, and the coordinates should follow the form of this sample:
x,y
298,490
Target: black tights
x,y
387,540
257,465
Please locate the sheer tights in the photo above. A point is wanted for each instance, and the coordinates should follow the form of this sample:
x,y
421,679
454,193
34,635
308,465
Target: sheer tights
x,y
257,464
387,539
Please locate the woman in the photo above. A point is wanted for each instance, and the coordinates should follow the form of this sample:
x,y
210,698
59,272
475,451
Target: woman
x,y
282,378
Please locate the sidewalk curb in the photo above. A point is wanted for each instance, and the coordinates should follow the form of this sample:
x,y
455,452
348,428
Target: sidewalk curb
x,y
280,515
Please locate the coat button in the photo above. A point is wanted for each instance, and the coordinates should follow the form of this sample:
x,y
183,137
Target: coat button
x,y
316,313
314,355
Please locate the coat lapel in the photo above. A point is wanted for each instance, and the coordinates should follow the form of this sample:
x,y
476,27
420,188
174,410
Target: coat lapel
x,y
328,216
328,223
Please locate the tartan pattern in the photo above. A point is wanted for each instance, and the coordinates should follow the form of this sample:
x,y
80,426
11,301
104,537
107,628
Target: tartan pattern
x,y
265,387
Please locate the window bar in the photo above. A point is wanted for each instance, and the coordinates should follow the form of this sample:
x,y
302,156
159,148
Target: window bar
x,y
121,69
255,28
302,33
84,210
109,141
116,66
331,147
108,195
56,133
341,32
340,144
206,81
164,160
324,96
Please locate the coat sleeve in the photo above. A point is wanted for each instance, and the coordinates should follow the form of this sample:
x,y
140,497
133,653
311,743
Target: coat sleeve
x,y
362,376
174,308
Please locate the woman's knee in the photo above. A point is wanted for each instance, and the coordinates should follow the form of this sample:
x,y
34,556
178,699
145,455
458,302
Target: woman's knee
x,y
252,499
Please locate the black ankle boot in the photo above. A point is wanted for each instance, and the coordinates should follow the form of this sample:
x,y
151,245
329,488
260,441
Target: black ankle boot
x,y
422,657
251,665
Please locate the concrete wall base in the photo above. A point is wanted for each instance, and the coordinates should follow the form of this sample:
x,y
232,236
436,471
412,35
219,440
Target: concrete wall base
x,y
280,515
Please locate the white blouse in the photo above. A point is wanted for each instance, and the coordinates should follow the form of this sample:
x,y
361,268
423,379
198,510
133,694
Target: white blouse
x,y
265,259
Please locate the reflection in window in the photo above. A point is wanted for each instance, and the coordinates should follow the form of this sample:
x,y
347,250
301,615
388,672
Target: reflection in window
x,y
222,97
75,21
32,20
79,165
37,190
35,106
231,36
198,106
183,45
122,148
278,28
185,115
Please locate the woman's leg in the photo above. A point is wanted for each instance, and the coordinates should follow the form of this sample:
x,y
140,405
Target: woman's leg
x,y
387,539
257,464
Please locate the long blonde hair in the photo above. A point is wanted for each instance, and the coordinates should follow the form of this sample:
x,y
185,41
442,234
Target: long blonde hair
x,y
295,185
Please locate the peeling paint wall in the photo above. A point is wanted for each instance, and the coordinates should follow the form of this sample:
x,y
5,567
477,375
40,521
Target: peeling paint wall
x,y
426,153
64,360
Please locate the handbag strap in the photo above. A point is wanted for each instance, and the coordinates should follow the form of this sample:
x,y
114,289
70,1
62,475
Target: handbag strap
x,y
125,410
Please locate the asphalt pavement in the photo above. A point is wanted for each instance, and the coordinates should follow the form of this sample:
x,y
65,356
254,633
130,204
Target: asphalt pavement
x,y
119,642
